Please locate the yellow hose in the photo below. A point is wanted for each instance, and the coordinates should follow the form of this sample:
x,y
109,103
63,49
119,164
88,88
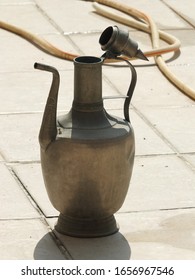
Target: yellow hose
x,y
155,42
174,43
40,42
147,25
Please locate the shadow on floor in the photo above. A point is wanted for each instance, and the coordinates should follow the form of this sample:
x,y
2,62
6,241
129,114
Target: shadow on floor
x,y
46,249
113,247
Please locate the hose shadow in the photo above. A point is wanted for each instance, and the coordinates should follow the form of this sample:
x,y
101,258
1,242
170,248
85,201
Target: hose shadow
x,y
113,247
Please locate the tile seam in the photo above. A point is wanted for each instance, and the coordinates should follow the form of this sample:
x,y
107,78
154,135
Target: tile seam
x,y
164,139
157,210
178,14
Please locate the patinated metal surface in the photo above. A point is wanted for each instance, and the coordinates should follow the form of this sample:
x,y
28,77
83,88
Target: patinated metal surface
x,y
87,155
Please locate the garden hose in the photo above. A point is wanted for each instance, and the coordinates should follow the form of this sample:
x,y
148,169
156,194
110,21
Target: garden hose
x,y
150,27
37,41
146,24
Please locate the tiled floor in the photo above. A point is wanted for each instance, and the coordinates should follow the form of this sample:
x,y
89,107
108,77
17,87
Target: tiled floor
x,y
157,220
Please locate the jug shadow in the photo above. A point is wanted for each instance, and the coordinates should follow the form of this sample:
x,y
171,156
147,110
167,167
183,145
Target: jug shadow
x,y
46,249
113,247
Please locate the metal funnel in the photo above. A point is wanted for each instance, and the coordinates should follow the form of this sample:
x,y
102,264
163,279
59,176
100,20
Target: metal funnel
x,y
117,42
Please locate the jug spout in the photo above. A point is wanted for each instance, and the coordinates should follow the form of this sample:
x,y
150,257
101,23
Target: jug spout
x,y
48,130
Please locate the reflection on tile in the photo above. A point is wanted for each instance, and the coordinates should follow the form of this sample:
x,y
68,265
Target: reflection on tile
x,y
157,235
160,235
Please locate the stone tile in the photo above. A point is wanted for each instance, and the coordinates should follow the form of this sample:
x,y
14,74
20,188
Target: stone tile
x,y
160,182
82,40
14,203
51,221
68,19
186,11
19,136
185,74
33,89
31,176
157,10
27,240
27,17
176,124
159,235
87,20
16,2
187,39
24,61
152,88
191,159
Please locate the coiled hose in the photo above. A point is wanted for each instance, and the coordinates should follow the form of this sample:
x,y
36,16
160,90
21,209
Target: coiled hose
x,y
146,24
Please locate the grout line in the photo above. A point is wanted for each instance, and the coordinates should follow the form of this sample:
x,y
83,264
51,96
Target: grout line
x,y
59,29
15,162
20,219
157,210
61,246
27,193
47,17
42,217
166,141
57,241
145,119
178,14
18,4
28,112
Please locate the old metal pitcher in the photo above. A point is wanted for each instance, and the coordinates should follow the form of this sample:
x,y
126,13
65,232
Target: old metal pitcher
x,y
87,155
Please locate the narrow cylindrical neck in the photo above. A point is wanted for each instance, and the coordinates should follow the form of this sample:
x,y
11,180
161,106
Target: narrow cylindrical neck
x,y
88,83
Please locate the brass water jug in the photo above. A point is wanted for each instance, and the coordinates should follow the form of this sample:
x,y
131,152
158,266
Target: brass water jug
x,y
87,155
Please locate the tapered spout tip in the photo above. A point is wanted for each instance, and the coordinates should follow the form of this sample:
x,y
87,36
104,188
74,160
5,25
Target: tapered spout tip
x,y
140,55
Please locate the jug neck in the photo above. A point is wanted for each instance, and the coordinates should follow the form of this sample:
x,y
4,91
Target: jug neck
x,y
88,84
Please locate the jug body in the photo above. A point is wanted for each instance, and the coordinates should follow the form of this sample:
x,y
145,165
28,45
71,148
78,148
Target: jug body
x,y
88,166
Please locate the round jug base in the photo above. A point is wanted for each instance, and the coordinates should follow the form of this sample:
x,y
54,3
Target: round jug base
x,y
86,228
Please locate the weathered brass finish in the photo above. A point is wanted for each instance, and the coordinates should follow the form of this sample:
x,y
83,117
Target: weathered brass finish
x,y
86,156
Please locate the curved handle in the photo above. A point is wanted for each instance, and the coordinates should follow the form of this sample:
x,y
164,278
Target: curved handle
x,y
130,90
48,130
